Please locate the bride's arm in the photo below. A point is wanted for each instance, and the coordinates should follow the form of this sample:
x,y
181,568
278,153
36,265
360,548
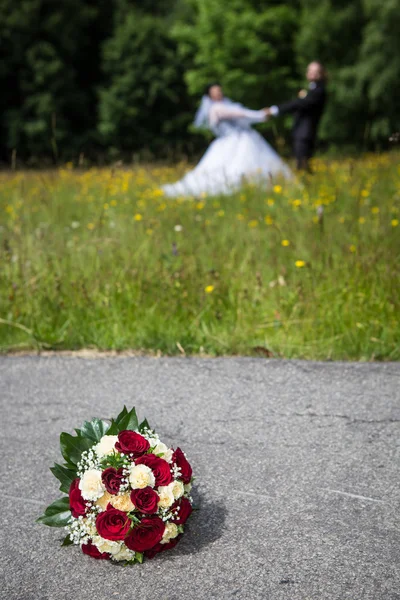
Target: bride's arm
x,y
222,112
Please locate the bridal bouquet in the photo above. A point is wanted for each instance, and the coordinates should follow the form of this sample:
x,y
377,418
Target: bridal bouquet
x,y
128,493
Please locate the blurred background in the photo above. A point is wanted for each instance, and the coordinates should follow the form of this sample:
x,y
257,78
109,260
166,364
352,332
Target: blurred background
x,y
101,80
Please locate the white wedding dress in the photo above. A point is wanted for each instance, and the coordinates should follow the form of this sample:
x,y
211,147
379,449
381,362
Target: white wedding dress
x,y
238,154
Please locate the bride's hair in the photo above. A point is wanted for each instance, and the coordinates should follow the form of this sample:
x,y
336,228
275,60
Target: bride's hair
x,y
209,86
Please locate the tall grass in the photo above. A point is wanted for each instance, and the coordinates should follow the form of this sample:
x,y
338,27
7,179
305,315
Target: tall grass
x,y
100,259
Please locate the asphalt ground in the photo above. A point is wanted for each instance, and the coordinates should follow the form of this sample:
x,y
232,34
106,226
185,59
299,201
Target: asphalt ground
x,y
297,467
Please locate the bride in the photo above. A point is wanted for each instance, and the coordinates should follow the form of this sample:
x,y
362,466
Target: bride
x,y
238,153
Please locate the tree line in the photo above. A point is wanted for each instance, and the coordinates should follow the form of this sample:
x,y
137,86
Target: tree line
x,y
104,79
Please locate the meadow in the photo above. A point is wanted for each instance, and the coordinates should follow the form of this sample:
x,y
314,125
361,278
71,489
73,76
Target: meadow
x,y
98,258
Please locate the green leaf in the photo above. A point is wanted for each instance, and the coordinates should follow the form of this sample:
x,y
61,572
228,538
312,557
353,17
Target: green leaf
x,y
67,541
129,421
113,429
94,430
72,447
115,423
144,425
139,557
57,514
65,475
122,414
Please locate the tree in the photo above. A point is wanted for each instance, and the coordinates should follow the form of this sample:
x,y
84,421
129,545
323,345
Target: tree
x,y
378,69
360,44
144,103
48,72
248,48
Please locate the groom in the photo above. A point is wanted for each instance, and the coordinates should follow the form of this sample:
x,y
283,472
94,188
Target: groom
x,y
307,109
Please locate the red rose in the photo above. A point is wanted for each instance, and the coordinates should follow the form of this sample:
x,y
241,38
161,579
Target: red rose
x,y
76,502
92,551
180,460
112,524
130,442
146,535
184,512
162,547
112,479
159,466
145,500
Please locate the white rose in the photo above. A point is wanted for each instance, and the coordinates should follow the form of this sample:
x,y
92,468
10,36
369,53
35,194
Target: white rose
x,y
164,450
177,489
124,553
141,476
170,532
91,486
106,445
106,545
166,496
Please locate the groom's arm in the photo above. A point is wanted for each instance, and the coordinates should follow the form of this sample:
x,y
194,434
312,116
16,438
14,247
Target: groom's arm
x,y
312,99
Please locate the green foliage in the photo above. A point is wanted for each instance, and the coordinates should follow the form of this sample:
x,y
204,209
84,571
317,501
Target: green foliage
x,y
49,59
378,70
144,102
247,50
359,43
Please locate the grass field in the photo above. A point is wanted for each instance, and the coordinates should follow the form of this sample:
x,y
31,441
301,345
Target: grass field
x,y
99,258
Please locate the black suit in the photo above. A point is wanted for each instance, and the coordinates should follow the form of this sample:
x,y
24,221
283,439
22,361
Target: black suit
x,y
308,112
